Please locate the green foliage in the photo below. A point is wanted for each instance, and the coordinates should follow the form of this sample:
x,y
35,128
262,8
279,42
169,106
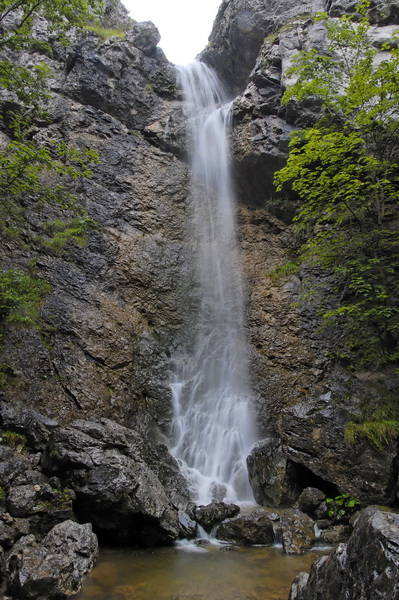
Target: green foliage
x,y
61,16
21,295
62,500
105,34
376,433
17,441
288,268
342,507
36,177
2,494
345,171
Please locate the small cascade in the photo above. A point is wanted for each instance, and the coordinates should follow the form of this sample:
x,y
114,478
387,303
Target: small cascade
x,y
212,428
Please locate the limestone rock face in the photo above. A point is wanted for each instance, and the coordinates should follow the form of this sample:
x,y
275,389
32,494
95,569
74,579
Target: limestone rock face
x,y
364,569
241,26
239,30
117,304
303,398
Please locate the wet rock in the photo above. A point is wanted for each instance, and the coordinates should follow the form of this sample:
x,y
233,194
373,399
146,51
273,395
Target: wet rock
x,y
208,516
11,531
145,36
16,468
298,532
267,466
56,567
365,568
188,527
115,488
35,426
255,528
335,534
310,500
41,506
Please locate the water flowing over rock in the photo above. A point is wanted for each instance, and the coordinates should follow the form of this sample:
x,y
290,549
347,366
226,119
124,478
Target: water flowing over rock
x,y
212,424
120,316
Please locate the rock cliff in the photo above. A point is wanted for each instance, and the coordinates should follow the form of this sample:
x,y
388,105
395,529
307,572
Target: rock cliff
x,y
119,306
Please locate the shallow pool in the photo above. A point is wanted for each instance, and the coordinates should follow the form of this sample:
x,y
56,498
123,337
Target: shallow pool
x,y
188,572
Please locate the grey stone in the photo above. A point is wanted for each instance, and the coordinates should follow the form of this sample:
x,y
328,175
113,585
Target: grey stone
x,y
116,490
366,568
310,500
56,567
211,514
298,532
247,530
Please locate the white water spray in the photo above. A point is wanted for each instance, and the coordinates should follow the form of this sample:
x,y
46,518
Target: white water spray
x,y
212,427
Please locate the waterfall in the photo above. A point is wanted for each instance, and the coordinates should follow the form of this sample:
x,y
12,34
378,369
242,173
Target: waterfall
x,y
212,428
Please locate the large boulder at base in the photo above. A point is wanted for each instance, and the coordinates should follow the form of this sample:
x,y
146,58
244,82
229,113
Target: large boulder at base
x,y
310,500
214,513
246,530
367,568
267,466
116,489
292,527
56,567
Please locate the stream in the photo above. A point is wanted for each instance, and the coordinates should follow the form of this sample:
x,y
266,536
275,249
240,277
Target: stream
x,y
188,572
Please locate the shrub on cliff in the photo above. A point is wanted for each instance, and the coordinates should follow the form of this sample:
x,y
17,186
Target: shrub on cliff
x,y
35,176
345,170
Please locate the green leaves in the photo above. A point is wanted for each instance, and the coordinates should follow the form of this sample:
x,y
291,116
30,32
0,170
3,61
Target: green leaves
x,y
38,211
345,171
20,297
342,507
17,18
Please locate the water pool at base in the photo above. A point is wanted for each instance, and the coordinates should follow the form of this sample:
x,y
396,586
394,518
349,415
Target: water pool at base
x,y
215,573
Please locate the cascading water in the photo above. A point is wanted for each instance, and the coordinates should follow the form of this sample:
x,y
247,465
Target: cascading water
x,y
212,427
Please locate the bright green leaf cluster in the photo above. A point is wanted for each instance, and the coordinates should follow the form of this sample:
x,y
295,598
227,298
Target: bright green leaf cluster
x,y
342,507
17,18
345,171
20,297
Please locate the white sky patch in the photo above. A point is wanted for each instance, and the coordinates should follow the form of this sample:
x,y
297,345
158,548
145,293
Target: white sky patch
x,y
183,24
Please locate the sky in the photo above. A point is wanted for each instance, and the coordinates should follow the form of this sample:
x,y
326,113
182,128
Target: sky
x,y
184,25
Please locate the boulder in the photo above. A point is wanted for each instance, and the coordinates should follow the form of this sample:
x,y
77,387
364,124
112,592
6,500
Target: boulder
x,y
247,530
116,490
335,534
310,500
145,36
366,568
298,532
267,467
216,512
35,426
55,568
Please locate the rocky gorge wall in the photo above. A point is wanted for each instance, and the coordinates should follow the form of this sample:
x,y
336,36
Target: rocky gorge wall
x,y
120,306
96,378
